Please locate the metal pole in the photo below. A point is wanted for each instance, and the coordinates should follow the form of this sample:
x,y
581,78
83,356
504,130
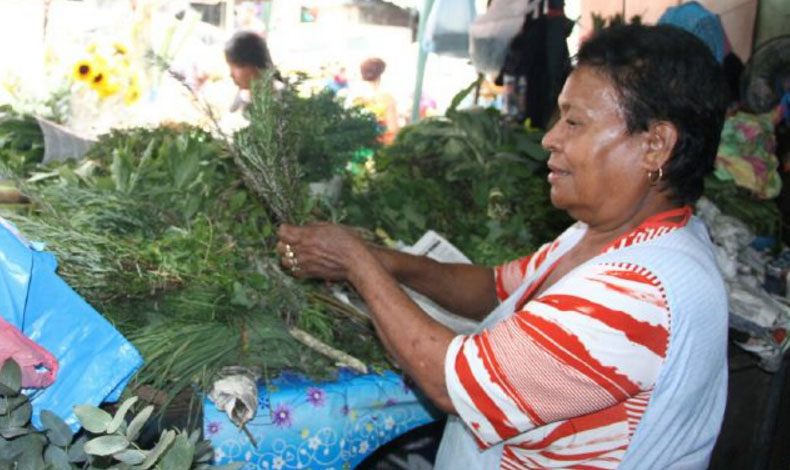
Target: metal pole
x,y
422,57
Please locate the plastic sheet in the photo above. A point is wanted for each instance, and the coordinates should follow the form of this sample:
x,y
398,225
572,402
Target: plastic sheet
x,y
301,423
95,360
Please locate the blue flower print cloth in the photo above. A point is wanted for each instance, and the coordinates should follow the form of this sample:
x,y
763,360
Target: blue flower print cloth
x,y
334,425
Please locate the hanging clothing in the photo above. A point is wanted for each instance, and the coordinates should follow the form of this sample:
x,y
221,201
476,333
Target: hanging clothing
x,y
539,54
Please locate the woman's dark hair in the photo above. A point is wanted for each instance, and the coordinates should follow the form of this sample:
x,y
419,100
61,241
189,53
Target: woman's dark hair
x,y
248,48
663,73
372,68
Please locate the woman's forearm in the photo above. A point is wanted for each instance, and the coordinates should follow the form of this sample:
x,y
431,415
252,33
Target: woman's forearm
x,y
417,342
464,289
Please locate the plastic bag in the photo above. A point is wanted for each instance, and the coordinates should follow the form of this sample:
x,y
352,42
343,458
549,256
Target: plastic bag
x,y
490,34
447,27
95,360
39,367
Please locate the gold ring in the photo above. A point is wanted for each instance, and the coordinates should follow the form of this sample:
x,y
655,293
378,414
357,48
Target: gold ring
x,y
289,252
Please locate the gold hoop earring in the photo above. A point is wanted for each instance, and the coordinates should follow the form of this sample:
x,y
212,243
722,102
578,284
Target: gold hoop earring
x,y
655,176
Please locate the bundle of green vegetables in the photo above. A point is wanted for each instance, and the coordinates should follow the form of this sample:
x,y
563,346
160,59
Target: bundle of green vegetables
x,y
478,180
156,229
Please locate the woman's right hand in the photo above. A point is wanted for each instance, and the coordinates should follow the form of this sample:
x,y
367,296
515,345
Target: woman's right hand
x,y
325,251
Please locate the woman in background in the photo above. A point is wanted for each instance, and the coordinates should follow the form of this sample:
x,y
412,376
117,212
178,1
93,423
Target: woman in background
x,y
248,57
378,101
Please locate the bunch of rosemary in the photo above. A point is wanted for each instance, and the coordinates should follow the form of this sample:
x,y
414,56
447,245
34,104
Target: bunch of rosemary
x,y
266,151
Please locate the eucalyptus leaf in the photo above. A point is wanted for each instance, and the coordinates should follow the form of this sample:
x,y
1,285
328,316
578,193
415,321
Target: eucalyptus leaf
x,y
20,417
179,455
6,391
58,432
165,440
11,375
57,458
12,432
106,445
133,431
92,418
77,450
120,415
130,456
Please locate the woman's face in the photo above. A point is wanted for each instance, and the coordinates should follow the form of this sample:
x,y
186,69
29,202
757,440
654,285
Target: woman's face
x,y
243,75
596,168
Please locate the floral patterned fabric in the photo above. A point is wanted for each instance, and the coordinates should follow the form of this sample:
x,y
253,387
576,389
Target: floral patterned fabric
x,y
747,154
303,424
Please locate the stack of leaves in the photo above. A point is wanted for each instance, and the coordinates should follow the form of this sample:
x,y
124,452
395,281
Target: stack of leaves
x,y
479,181
157,231
107,441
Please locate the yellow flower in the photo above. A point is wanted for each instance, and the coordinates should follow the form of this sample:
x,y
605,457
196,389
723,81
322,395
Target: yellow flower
x,y
108,89
120,49
305,433
131,95
103,85
83,70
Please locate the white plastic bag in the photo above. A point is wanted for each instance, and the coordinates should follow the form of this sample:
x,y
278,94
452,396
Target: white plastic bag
x,y
447,27
491,33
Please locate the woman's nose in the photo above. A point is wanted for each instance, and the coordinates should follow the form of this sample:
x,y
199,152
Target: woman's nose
x,y
549,140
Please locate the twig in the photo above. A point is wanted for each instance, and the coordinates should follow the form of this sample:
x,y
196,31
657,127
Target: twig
x,y
328,351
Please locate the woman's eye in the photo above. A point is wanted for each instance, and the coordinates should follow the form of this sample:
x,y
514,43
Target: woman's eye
x,y
571,122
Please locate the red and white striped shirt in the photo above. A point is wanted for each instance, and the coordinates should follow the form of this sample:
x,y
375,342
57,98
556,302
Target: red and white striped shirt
x,y
565,379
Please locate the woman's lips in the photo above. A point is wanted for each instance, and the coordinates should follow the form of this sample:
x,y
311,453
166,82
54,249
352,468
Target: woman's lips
x,y
555,174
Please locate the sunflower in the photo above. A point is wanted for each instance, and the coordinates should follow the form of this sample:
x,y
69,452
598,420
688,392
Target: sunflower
x,y
108,88
103,84
83,70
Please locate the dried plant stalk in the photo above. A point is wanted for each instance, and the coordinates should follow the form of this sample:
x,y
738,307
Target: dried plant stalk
x,y
328,351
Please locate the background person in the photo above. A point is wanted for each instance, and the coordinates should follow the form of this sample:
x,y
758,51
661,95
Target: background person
x,y
606,348
374,98
247,56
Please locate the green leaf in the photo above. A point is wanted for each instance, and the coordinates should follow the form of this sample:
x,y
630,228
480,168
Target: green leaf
x,y
92,418
13,431
130,456
120,415
11,375
165,440
56,429
179,455
77,450
138,422
6,392
20,417
57,458
106,445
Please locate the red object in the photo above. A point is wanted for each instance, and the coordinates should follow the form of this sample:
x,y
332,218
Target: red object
x,y
39,366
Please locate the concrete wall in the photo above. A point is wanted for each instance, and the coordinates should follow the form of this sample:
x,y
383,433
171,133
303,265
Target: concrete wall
x,y
737,16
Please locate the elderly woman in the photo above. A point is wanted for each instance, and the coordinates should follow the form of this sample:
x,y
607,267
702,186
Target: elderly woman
x,y
606,348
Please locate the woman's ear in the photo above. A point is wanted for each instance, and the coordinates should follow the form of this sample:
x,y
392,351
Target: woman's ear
x,y
661,139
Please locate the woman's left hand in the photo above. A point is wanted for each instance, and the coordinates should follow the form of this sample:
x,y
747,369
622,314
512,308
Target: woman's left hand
x,y
324,251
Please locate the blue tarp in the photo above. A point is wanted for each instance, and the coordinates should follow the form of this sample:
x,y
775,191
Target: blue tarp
x,y
304,424
96,361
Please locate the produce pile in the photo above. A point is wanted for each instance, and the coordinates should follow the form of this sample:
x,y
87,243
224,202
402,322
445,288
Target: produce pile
x,y
170,232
